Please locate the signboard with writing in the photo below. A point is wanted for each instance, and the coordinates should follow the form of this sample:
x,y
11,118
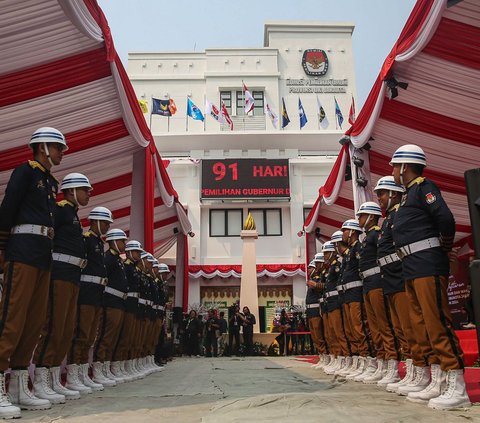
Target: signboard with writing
x,y
245,179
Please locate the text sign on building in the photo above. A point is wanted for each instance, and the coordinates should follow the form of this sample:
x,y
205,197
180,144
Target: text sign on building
x,y
245,179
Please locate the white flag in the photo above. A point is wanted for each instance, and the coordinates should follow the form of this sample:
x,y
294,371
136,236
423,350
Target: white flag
x,y
322,117
249,101
271,114
213,111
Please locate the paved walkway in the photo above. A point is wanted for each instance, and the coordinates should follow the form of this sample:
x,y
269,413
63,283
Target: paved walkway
x,y
246,390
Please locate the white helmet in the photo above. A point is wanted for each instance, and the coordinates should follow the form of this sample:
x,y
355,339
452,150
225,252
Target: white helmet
x,y
319,258
115,234
101,213
151,259
47,134
163,268
311,264
409,153
352,224
388,184
144,255
329,247
369,207
133,246
336,237
75,180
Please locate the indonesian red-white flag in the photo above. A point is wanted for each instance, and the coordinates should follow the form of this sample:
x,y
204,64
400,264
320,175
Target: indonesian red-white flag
x,y
351,115
226,116
212,110
249,101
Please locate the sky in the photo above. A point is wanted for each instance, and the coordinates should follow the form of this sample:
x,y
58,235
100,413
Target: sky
x,y
186,25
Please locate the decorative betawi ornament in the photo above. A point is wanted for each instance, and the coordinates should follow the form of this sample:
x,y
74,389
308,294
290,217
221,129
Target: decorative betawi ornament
x,y
249,224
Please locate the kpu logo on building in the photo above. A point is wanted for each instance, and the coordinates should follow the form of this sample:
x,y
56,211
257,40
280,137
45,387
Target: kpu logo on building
x,y
315,62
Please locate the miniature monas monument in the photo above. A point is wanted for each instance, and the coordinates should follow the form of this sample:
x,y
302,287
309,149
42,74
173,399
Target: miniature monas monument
x,y
248,284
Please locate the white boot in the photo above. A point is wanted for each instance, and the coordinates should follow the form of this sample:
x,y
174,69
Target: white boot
x,y
455,395
409,376
136,367
392,375
115,371
338,364
435,387
346,365
131,371
370,369
22,396
74,382
361,366
7,410
350,369
420,382
99,376
70,394
43,389
124,373
330,365
85,378
377,375
143,367
325,361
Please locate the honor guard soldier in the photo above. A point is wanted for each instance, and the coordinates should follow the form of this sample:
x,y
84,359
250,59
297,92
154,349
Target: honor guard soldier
x,y
113,312
312,302
92,284
388,195
69,258
26,242
424,230
161,271
379,324
151,312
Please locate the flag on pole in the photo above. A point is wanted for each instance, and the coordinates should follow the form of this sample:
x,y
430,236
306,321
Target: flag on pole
x,y
322,117
249,100
338,113
285,118
193,111
351,115
301,113
143,105
271,114
161,107
212,110
172,107
226,116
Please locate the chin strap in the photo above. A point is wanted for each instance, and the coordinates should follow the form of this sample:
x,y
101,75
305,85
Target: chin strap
x,y
75,196
116,246
402,169
368,220
45,146
390,196
98,227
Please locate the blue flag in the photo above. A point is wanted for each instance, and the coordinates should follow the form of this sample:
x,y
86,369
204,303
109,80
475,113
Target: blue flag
x,y
301,112
338,114
193,111
285,119
161,107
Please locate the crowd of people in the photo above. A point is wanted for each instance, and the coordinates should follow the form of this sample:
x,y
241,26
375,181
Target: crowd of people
x,y
374,299
208,336
67,294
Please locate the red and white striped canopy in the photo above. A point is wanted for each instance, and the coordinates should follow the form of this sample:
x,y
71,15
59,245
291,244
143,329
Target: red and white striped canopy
x,y
438,55
59,68
235,271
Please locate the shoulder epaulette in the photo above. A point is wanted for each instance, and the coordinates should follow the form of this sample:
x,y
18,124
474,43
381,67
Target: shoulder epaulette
x,y
374,228
128,261
63,203
36,165
417,181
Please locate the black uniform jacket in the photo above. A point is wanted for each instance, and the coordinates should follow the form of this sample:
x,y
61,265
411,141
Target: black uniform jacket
x,y
117,279
351,274
368,259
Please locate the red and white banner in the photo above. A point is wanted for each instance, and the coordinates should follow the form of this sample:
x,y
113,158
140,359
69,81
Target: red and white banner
x,y
235,271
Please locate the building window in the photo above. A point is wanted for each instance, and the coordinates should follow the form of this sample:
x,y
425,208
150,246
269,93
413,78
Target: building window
x,y
268,221
258,109
226,97
306,212
225,222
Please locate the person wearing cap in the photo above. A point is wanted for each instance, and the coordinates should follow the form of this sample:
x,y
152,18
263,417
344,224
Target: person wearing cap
x,y
389,194
113,310
27,218
69,258
383,337
424,230
354,309
89,307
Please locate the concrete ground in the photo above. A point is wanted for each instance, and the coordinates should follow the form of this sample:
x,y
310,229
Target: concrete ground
x,y
250,390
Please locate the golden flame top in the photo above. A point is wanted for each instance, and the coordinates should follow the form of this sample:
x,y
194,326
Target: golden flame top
x,y
249,224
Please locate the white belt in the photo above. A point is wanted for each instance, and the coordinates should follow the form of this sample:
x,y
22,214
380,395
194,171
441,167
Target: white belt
x,y
391,258
370,272
313,305
415,247
331,294
65,258
93,279
149,303
142,301
322,300
33,230
115,292
354,284
133,294
161,308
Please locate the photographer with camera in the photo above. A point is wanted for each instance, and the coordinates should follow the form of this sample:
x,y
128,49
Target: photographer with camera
x,y
211,334
234,324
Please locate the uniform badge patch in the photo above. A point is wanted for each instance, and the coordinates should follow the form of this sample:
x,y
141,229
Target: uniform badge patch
x,y
430,198
40,184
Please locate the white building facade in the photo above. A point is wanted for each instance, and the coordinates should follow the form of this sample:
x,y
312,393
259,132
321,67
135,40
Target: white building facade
x,y
309,62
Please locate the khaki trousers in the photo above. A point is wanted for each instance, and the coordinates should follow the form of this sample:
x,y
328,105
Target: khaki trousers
x,y
110,326
431,320
57,334
337,330
23,310
88,321
126,337
315,327
357,331
380,327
